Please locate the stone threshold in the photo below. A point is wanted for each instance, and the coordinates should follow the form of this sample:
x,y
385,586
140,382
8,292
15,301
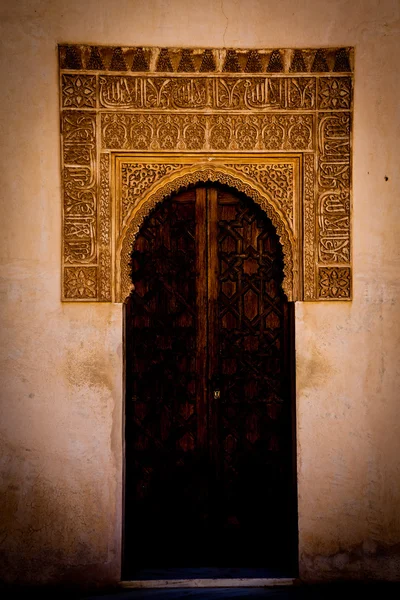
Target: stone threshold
x,y
209,583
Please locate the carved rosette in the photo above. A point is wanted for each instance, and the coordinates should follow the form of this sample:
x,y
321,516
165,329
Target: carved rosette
x,y
206,104
80,282
334,283
78,91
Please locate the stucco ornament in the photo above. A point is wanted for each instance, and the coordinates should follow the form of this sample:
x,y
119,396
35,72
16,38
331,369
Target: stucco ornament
x,y
141,123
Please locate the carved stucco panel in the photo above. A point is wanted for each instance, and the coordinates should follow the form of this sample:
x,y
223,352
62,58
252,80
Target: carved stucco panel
x,y
309,226
247,104
201,173
105,236
136,180
198,93
187,132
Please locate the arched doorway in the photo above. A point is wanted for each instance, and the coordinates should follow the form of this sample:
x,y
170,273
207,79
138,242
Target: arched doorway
x,y
210,456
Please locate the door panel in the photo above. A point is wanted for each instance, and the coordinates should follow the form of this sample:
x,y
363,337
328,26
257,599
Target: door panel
x,y
254,411
208,388
164,473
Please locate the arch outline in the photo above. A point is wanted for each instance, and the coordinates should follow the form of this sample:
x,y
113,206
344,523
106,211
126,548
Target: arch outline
x,y
196,174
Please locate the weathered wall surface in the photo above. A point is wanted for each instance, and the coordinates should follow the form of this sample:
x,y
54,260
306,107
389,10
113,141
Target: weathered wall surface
x,y
61,380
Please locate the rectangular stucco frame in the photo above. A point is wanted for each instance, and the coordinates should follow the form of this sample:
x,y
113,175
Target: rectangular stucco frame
x,y
140,123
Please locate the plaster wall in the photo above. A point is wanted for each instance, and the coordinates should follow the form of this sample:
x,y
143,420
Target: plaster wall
x,y
61,378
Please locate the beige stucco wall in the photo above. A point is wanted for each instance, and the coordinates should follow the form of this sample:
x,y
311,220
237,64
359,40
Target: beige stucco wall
x,y
61,380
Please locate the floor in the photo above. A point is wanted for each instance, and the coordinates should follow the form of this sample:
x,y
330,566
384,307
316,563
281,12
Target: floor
x,y
327,592
336,591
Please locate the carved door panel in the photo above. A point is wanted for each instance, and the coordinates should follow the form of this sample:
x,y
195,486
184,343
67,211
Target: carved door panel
x,y
208,384
164,425
250,365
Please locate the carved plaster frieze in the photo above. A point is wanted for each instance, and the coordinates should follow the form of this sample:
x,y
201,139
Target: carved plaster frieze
x,y
138,122
198,93
187,132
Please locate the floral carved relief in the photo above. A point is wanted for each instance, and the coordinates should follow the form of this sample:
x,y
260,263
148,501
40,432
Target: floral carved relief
x,y
80,282
136,179
206,132
275,179
334,282
276,122
334,93
79,91
226,175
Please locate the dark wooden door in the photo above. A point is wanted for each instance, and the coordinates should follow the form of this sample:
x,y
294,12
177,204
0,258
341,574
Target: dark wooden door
x,y
209,383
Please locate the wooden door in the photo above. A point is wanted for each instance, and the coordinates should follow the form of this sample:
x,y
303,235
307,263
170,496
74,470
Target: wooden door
x,y
209,423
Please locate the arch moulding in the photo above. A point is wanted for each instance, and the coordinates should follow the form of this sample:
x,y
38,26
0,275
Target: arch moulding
x,y
199,173
141,123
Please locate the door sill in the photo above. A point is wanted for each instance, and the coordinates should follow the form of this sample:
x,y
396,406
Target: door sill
x,y
209,583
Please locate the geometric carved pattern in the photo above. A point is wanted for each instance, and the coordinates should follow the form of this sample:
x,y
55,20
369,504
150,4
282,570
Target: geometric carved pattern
x,y
189,474
334,93
79,91
80,282
334,282
253,377
200,60
205,102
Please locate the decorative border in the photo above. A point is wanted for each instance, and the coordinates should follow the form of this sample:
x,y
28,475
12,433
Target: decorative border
x,y
205,60
166,113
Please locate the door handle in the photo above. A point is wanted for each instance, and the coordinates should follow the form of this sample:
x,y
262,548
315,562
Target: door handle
x,y
217,394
